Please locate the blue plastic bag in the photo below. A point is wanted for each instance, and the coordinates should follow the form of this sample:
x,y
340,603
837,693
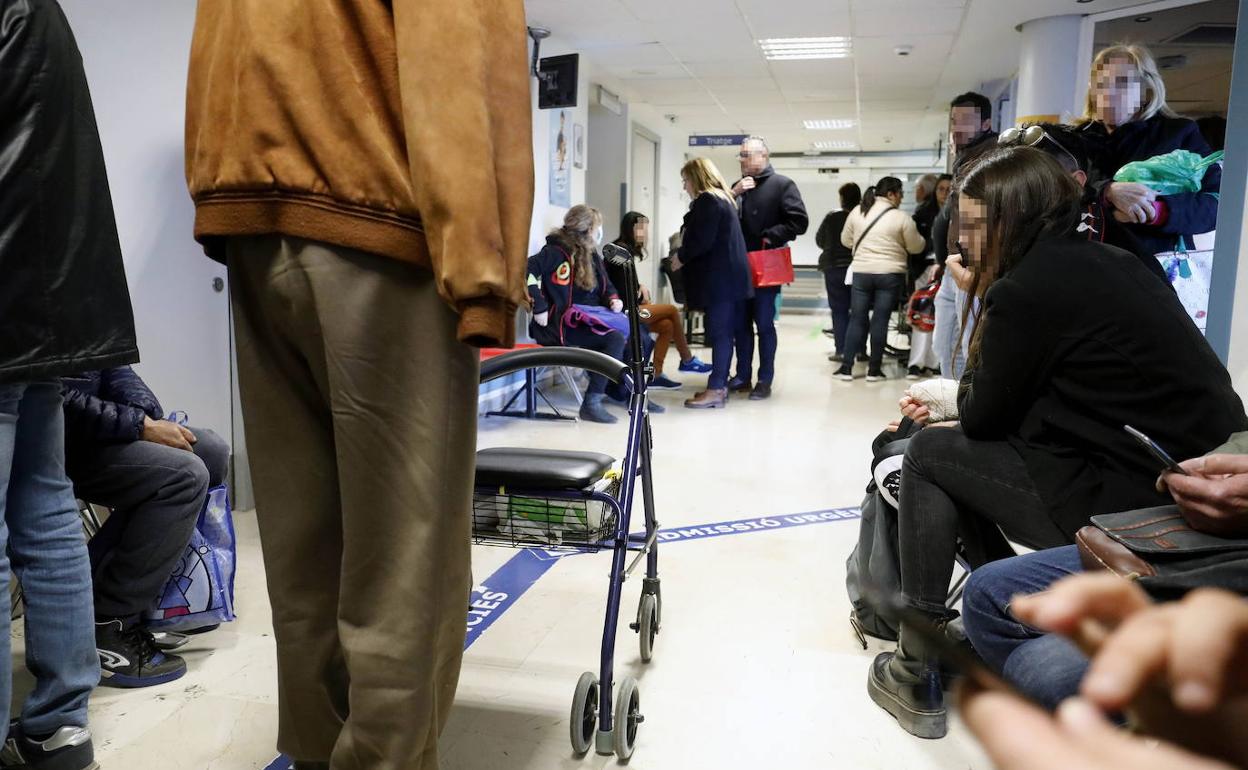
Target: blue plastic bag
x,y
200,592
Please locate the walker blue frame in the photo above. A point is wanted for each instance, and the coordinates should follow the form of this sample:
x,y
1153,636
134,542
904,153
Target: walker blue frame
x,y
624,704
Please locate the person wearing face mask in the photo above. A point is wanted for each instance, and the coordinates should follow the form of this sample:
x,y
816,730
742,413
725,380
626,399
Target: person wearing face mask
x,y
772,214
882,238
1126,119
574,302
1052,376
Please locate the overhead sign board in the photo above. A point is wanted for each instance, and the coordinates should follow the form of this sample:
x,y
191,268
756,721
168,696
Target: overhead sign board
x,y
717,140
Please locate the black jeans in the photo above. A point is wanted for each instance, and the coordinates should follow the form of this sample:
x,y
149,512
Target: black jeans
x,y
839,297
951,486
612,343
876,295
156,493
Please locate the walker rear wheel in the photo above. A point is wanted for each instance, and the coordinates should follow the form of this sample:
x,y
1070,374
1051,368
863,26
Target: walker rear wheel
x,y
627,718
649,626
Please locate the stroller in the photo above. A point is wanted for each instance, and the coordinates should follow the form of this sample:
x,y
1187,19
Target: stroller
x,y
582,502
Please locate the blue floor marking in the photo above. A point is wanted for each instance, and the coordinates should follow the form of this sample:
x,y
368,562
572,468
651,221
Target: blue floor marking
x,y
501,590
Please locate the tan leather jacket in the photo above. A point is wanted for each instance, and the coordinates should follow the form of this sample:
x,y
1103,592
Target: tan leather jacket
x,y
397,127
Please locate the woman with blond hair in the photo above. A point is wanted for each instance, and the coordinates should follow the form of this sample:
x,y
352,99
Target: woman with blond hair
x,y
715,269
574,302
1126,119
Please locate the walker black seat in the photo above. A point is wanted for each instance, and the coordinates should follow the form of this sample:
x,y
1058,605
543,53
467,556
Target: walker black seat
x,y
538,469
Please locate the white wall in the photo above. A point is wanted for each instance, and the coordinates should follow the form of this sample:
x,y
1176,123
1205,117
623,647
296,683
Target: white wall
x,y
136,56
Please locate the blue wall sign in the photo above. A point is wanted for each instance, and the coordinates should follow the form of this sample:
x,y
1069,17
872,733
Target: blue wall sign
x,y
717,140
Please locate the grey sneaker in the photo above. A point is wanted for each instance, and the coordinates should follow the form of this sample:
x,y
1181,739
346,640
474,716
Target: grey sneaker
x,y
69,748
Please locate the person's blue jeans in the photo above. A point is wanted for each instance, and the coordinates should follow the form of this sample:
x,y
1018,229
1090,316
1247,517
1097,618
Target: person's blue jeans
x,y
612,343
759,312
875,295
839,297
1046,667
48,553
950,302
723,319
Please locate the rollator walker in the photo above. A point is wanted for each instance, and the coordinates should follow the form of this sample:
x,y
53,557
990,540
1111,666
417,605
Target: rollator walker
x,y
583,502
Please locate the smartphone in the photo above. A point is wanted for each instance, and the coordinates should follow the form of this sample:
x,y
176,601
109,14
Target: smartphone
x,y
1167,462
935,639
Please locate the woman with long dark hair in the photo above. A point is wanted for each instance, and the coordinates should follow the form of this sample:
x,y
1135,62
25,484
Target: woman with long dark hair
x,y
881,238
716,270
1073,340
663,320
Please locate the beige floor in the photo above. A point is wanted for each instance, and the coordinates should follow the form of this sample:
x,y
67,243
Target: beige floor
x,y
756,666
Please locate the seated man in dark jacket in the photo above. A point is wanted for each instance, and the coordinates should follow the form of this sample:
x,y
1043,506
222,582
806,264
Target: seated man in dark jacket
x,y
155,475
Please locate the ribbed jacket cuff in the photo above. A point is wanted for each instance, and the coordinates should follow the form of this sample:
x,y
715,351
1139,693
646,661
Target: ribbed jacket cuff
x,y
487,322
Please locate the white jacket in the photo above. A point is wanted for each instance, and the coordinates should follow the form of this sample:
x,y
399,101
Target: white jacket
x,y
887,248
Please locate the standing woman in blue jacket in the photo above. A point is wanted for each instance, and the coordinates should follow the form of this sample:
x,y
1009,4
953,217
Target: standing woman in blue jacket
x,y
574,302
1127,119
715,269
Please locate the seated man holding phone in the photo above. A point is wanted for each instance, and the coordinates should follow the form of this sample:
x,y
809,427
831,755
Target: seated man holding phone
x,y
1209,492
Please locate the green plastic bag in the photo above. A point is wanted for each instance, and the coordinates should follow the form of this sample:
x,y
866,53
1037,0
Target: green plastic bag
x,y
1175,172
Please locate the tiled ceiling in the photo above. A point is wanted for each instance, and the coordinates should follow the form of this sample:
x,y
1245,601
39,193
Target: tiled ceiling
x,y
698,60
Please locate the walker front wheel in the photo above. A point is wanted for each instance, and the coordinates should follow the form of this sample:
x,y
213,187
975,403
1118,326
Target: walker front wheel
x,y
583,721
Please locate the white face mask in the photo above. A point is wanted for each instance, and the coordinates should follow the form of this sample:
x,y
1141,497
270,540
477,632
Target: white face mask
x,y
598,236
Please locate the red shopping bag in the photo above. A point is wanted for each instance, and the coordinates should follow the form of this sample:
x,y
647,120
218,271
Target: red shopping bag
x,y
771,267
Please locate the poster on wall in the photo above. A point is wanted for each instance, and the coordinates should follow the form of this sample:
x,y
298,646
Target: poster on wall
x,y
578,146
560,159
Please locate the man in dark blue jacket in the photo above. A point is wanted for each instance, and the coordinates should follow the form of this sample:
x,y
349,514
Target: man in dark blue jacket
x,y
772,215
155,474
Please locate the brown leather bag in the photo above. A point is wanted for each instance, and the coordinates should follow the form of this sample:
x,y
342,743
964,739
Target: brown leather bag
x,y
1160,549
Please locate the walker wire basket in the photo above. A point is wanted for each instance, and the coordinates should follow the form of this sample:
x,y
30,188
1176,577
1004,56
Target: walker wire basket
x,y
572,521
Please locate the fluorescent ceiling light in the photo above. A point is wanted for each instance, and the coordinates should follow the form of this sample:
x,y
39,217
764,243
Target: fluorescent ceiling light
x,y
838,144
828,125
790,48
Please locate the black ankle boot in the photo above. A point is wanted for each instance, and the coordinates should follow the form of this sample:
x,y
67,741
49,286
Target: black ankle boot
x,y
907,685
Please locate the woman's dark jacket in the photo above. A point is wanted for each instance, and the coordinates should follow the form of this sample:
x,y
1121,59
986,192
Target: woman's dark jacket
x,y
1189,213
553,289
712,253
64,303
1078,340
106,407
832,252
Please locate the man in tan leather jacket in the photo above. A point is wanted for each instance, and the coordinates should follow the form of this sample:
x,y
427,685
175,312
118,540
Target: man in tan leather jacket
x,y
365,168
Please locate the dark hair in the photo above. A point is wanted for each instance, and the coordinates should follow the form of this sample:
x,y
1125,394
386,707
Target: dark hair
x,y
1070,140
1027,194
851,195
976,100
628,238
944,178
886,186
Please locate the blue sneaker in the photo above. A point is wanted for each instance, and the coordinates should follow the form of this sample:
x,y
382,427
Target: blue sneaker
x,y
655,407
696,365
663,382
129,657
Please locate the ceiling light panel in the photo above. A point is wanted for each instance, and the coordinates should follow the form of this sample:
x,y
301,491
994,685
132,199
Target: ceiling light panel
x,y
838,144
837,124
792,48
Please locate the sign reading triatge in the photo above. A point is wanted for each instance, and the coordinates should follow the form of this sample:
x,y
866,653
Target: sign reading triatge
x,y
717,140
